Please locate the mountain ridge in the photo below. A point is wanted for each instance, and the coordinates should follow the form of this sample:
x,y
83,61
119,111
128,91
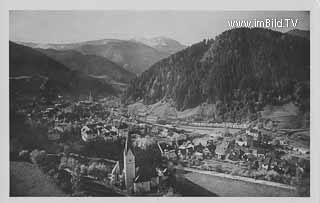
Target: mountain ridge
x,y
161,43
32,72
239,66
90,64
132,56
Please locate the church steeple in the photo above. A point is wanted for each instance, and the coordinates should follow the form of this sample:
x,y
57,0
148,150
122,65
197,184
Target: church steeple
x,y
128,145
129,164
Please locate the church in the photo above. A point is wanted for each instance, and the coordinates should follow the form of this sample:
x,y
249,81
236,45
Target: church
x,y
136,181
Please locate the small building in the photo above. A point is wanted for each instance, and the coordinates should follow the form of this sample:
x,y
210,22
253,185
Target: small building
x,y
206,152
146,180
141,185
154,182
223,149
115,174
242,142
167,151
266,163
254,133
198,155
55,133
88,134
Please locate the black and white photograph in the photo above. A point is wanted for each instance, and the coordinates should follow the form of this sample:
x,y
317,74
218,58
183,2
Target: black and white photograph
x,y
159,103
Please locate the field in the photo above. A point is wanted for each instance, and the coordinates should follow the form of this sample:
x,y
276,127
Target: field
x,y
166,109
287,115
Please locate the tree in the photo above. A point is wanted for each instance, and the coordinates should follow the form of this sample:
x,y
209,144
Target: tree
x,y
38,157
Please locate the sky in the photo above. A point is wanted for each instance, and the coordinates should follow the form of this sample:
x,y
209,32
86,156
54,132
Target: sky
x,y
187,27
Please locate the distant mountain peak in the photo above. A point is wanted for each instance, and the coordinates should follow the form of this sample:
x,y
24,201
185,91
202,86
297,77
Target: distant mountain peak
x,y
161,43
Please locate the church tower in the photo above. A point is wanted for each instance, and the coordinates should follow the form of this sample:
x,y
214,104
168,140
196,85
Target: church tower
x,y
129,164
90,97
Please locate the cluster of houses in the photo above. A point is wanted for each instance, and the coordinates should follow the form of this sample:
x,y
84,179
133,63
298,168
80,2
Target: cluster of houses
x,y
109,122
92,120
257,149
100,131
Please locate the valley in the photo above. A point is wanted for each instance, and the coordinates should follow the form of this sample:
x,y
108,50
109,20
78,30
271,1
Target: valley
x,y
228,116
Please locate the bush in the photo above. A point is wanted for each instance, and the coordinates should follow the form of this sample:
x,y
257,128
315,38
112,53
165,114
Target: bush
x,y
97,170
38,157
273,176
235,171
24,155
303,187
218,168
83,170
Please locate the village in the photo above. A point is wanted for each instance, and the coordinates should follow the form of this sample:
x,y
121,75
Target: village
x,y
248,150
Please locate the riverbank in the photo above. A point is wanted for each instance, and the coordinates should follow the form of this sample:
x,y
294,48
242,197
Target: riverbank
x,y
235,186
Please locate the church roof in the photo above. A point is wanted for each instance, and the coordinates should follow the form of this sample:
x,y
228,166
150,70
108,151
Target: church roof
x,y
144,174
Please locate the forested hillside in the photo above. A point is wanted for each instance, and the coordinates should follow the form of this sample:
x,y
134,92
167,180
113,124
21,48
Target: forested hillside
x,y
240,71
90,64
33,73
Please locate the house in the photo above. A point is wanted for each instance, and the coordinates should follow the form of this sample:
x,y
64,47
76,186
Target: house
x,y
283,142
186,149
114,129
141,184
224,148
241,142
103,168
154,182
114,176
275,142
167,151
266,164
301,150
146,180
178,138
55,133
198,155
89,134
256,134
249,140
235,154
155,129
206,152
123,130
199,147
